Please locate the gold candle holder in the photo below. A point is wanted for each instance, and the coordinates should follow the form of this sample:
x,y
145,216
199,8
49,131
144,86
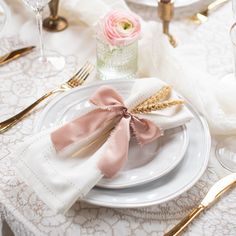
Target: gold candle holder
x,y
166,12
54,23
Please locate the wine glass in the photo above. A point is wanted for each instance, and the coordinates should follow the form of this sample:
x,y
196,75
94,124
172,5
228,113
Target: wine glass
x,y
226,149
44,64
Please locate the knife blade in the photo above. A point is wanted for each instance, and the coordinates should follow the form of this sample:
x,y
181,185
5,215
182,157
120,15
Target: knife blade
x,y
215,192
15,54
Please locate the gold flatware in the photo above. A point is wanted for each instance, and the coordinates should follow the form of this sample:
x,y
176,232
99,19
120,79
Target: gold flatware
x,y
54,23
15,54
166,11
202,17
77,80
213,194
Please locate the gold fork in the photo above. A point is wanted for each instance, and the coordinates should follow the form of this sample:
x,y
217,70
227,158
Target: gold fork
x,y
75,81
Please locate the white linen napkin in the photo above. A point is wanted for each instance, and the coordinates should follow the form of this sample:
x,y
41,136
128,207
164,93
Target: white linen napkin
x,y
60,182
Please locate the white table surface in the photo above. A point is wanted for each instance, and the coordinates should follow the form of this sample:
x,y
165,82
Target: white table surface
x,y
20,207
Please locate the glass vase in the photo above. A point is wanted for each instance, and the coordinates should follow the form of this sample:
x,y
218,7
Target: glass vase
x,y
116,62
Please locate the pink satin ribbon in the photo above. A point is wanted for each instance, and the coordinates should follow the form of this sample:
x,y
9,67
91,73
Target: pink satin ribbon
x,y
110,106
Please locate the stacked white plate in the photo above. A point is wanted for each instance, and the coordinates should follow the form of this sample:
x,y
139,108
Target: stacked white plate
x,y
155,174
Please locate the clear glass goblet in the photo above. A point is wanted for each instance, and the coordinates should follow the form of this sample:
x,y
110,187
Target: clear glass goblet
x,y
45,64
226,149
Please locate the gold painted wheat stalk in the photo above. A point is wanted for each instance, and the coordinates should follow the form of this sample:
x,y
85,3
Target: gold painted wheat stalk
x,y
143,109
162,94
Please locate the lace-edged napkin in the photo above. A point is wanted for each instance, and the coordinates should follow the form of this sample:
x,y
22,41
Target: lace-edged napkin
x,y
60,180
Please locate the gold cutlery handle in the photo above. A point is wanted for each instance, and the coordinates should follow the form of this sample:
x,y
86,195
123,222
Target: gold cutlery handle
x,y
202,16
7,124
185,222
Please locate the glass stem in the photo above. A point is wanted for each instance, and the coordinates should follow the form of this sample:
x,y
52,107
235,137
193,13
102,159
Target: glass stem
x,y
39,19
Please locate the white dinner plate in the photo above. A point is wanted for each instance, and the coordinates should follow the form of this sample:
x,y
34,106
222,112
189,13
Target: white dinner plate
x,y
179,180
144,164
4,15
152,161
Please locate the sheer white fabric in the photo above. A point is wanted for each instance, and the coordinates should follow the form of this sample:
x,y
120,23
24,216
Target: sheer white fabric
x,y
187,73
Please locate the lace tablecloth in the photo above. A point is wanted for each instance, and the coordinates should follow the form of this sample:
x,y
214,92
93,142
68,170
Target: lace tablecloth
x,y
20,207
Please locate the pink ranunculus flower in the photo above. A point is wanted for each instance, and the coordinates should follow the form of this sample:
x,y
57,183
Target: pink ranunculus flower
x,y
121,28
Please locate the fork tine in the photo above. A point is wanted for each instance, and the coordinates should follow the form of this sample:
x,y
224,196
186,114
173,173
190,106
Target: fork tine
x,y
81,69
79,77
85,74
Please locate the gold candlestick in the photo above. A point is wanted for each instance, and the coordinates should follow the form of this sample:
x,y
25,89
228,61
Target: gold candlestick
x,y
166,13
54,23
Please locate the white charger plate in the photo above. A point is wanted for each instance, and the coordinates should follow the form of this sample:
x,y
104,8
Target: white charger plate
x,y
144,164
176,182
179,180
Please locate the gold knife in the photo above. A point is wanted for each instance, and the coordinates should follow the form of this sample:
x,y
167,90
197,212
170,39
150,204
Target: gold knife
x,y
213,194
15,54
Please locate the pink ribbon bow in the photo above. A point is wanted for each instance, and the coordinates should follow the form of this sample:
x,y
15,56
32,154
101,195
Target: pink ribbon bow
x,y
110,106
